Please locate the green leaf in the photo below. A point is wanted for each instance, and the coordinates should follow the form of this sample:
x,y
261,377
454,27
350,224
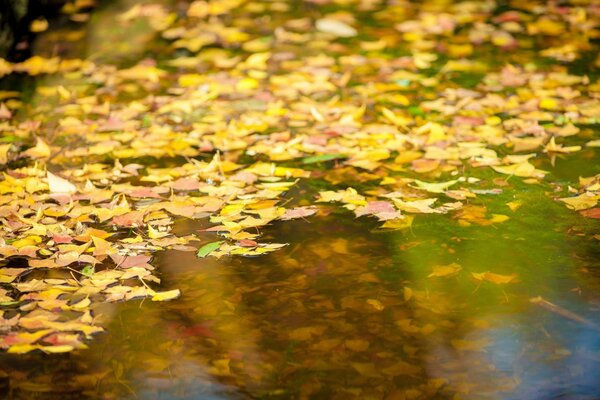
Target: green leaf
x,y
10,139
9,303
88,270
321,158
208,248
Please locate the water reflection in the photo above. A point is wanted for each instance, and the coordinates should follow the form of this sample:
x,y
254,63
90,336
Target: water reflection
x,y
348,313
342,313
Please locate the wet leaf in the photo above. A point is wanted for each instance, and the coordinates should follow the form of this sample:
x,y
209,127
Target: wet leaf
x,y
208,248
494,278
322,158
165,296
441,271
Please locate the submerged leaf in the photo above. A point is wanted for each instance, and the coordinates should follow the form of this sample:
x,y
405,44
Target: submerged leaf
x,y
494,278
440,271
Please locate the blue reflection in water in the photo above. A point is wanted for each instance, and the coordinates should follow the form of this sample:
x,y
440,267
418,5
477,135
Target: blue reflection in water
x,y
561,361
195,383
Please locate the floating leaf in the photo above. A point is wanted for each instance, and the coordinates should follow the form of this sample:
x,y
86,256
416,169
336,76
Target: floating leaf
x,y
322,158
581,202
208,248
438,187
164,296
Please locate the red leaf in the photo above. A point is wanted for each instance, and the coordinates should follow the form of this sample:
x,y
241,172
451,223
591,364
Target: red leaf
x,y
592,213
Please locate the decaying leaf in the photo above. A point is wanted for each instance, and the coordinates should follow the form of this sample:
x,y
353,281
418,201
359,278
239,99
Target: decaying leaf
x,y
440,271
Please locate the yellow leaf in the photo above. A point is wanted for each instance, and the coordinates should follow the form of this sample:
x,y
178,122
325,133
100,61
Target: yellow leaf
x,y
581,202
498,218
65,348
494,278
399,223
335,27
365,369
156,234
22,348
395,119
306,333
514,205
258,60
438,187
40,150
357,344
552,147
440,271
470,345
168,295
376,304
27,241
4,152
401,368
416,206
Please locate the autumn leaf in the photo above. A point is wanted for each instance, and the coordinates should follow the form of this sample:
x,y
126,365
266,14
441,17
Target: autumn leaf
x,y
335,27
165,296
581,202
59,185
591,213
298,212
208,248
494,278
441,271
321,158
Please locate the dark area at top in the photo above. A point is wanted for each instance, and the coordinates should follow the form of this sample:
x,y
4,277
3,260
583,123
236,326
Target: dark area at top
x,y
15,18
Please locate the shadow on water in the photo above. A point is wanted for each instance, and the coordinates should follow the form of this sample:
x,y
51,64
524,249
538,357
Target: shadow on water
x,y
348,312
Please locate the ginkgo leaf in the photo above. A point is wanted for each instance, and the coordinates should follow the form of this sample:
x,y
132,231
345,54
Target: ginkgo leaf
x,y
335,27
298,212
440,271
40,150
208,248
581,202
399,223
57,184
165,296
438,187
322,158
494,278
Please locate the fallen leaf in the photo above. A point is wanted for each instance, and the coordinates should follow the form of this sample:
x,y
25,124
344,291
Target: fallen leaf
x,y
335,27
208,248
494,278
440,271
59,185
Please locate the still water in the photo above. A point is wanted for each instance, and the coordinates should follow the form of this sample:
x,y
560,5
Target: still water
x,y
347,311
